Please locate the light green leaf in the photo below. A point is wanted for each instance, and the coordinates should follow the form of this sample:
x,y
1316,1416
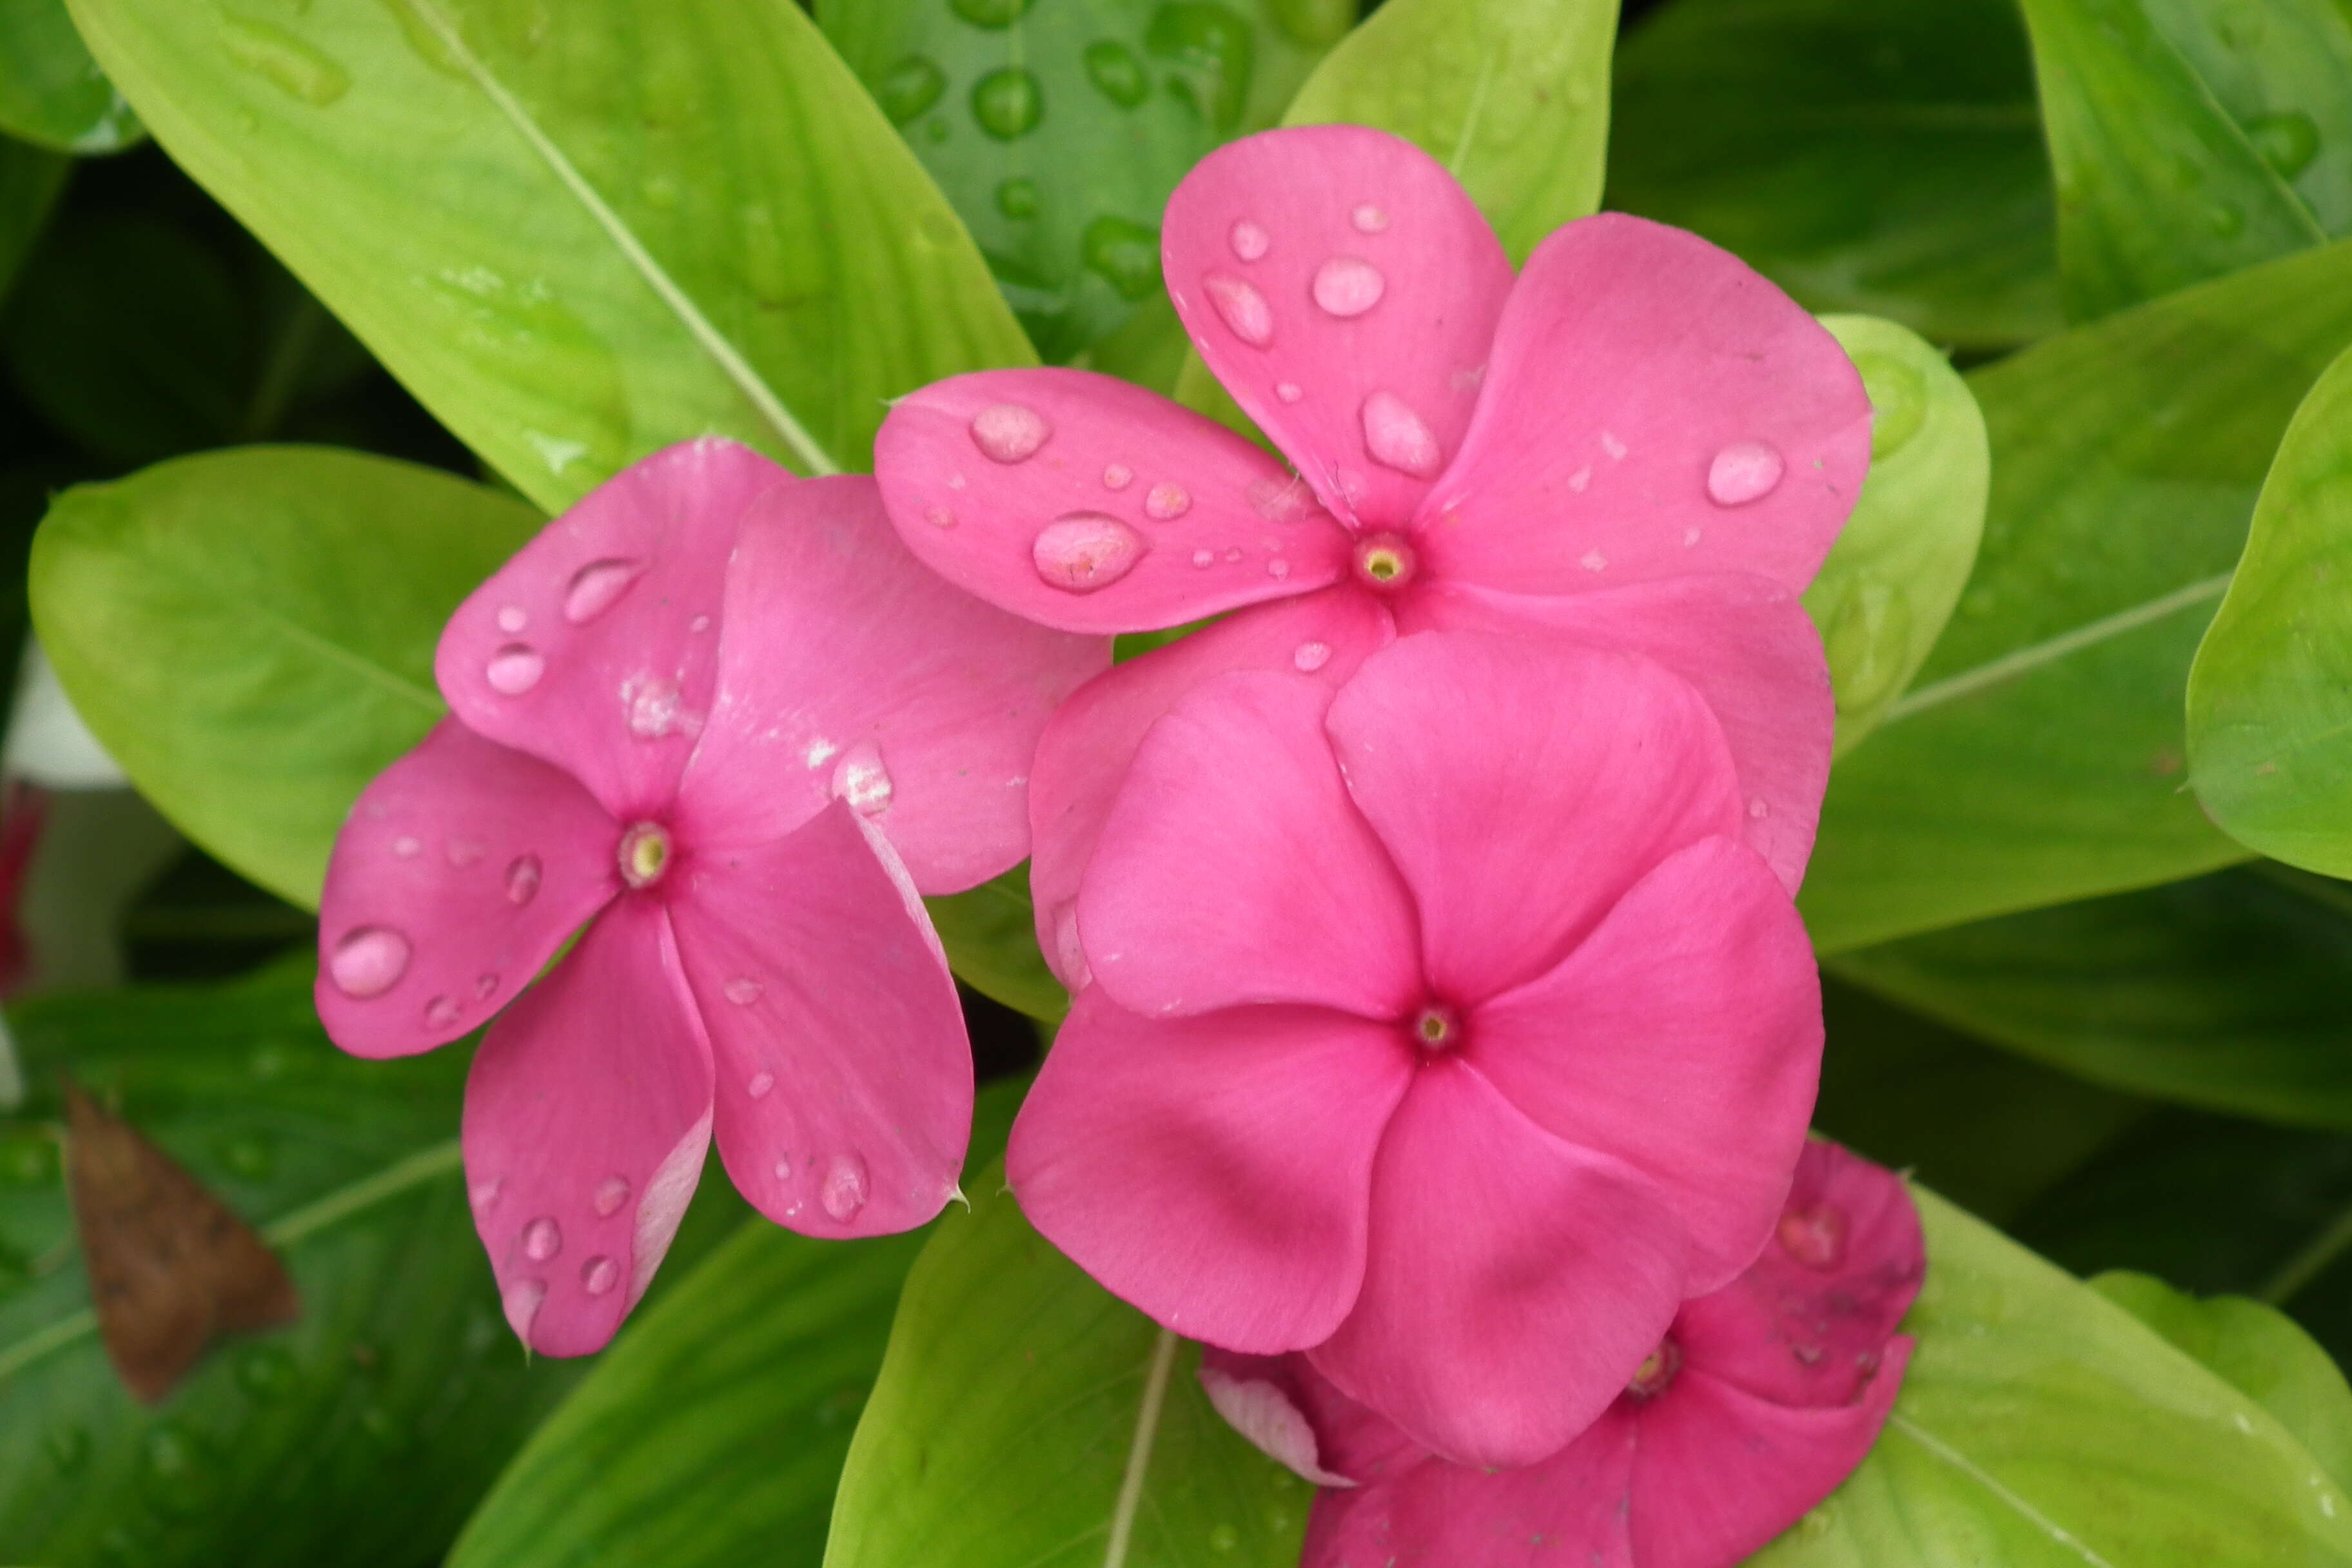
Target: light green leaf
x,y
2040,1425
51,92
30,181
1883,158
2184,136
2038,759
1888,588
579,231
2270,723
1059,130
1026,1418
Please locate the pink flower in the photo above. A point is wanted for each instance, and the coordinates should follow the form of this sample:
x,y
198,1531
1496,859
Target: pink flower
x,y
1445,1026
719,716
1638,443
1758,1402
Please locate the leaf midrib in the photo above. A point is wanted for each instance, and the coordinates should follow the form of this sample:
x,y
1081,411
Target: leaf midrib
x,y
1948,1455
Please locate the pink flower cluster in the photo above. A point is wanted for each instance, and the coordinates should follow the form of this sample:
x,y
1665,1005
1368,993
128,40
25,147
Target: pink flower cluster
x,y
1443,1035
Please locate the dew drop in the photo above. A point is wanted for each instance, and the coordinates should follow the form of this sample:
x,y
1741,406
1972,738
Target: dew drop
x,y
1398,438
611,1193
1204,557
1241,308
1277,569
1807,1355
1368,219
860,779
1289,391
1742,472
843,1193
1008,102
1594,560
522,880
1018,197
1759,808
484,1194
1250,241
542,1238
1167,502
2287,143
1117,74
1122,254
742,990
912,86
1086,551
515,669
599,1275
1814,1237
938,517
1310,657
441,1013
596,588
1347,286
1117,477
1613,447
782,1169
406,849
1009,433
1581,477
760,1083
368,962
513,618
1690,537
520,1301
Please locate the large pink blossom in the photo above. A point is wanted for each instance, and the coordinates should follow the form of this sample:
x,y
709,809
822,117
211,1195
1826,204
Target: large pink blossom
x,y
1445,1026
1757,1404
1638,443
717,715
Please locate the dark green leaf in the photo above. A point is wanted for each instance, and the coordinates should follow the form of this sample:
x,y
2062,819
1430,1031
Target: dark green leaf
x,y
990,932
51,92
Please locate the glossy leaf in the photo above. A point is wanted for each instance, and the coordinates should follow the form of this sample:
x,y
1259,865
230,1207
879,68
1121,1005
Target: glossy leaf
x,y
2040,1424
1889,585
2038,759
2188,138
51,92
1026,1418
1882,158
1059,132
2270,723
30,180
579,231
361,1434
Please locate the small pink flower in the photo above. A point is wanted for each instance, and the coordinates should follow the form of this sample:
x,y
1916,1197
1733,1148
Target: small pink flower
x,y
1758,1401
719,715
1638,443
1445,1026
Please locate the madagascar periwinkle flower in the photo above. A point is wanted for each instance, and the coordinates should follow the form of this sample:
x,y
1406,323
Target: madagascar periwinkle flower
x,y
1445,1028
1754,1405
720,717
1637,443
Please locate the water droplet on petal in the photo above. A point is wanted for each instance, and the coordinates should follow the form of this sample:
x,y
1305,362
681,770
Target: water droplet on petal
x,y
760,1084
542,1238
1349,285
1743,472
1311,657
1167,502
843,1193
1283,500
1690,537
599,1275
596,588
1289,391
485,986
1613,447
484,1193
1277,569
938,517
406,849
1204,557
1758,809
515,669
368,962
1807,1355
1241,308
1581,477
611,1193
1368,219
1594,560
1815,1237
860,779
522,880
1250,241
742,990
512,618
440,1012
1085,550
1117,477
1398,438
656,708
1008,433
522,1301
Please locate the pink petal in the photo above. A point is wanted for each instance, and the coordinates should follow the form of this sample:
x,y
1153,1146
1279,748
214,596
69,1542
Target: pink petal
x,y
1114,511
1361,1446
1522,788
1232,867
1718,1472
1357,333
1809,1322
1639,373
1514,1283
461,870
848,669
844,1073
1083,755
1746,643
1683,1037
1260,1397
1212,1171
587,1117
596,646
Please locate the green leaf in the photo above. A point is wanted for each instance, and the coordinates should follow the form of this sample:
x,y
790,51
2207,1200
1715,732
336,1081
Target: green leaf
x,y
1059,130
2224,990
30,181
579,231
51,92
2270,728
251,633
2041,1425
2038,760
1026,1418
1882,158
359,1435
990,932
1888,588
712,1433
2184,136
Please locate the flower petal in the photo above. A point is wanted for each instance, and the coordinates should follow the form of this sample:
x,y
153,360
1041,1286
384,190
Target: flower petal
x,y
1212,1171
1683,1037
847,668
1087,746
587,1117
1515,1281
1654,407
1266,1399
1522,788
1808,1324
596,647
845,1079
460,871
1084,503
1747,646
1718,1472
1344,289
1233,868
